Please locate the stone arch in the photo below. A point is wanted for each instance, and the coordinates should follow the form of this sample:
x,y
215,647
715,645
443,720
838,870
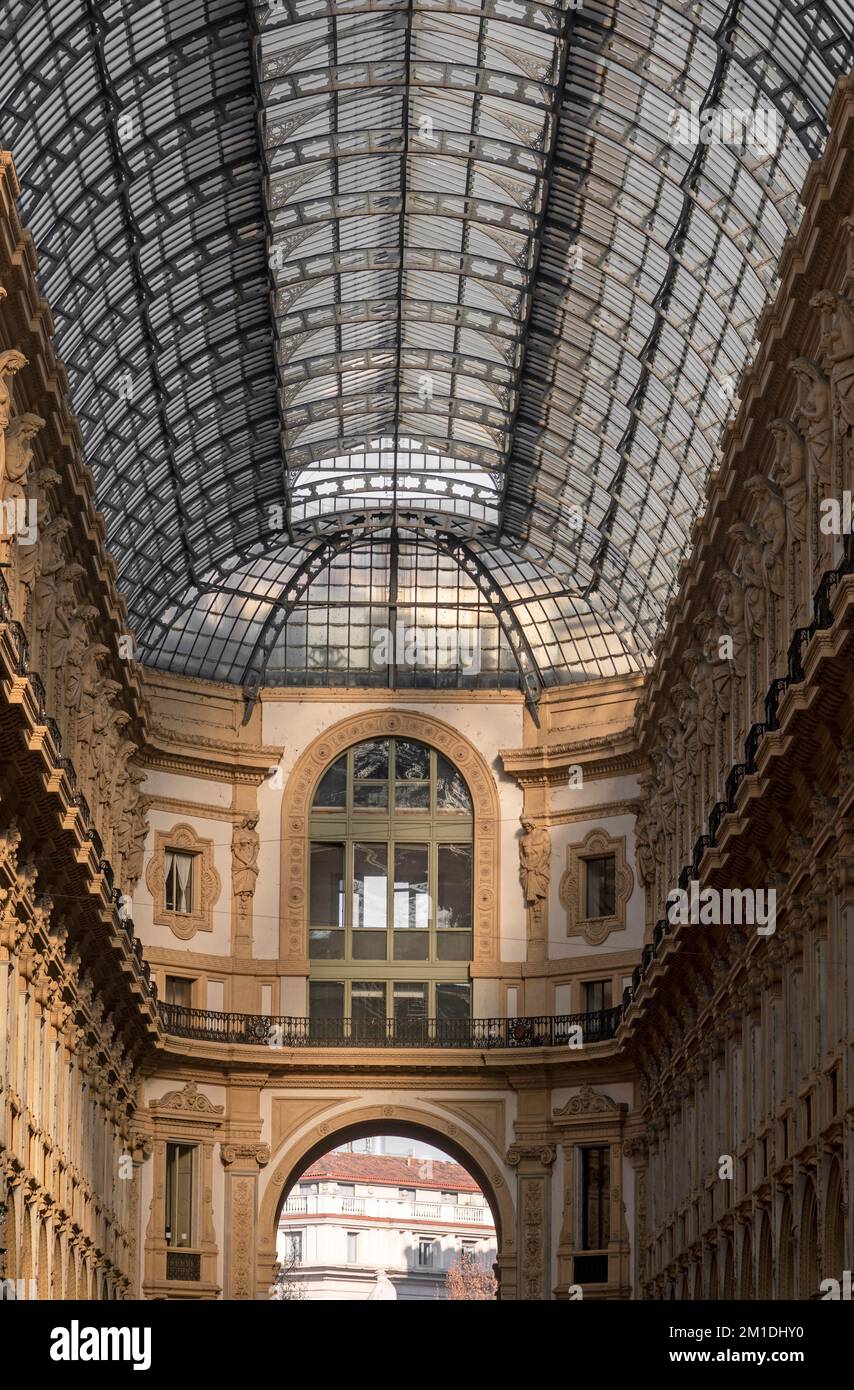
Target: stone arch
x,y
786,1253
56,1269
26,1244
808,1280
296,805
70,1273
745,1272
11,1236
295,1154
834,1224
766,1259
42,1271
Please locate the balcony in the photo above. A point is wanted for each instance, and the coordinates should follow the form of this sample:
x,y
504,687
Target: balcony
x,y
481,1033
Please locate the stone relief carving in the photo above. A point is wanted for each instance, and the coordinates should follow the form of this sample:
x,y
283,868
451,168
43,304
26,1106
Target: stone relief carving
x,y
245,846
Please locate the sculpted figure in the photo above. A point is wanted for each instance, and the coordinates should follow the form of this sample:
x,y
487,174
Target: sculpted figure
x,y
76,646
645,834
815,417
10,839
534,862
790,463
245,845
837,319
20,434
771,528
749,571
11,361
731,614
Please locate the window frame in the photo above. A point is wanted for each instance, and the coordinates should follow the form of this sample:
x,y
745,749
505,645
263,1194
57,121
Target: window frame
x,y
353,825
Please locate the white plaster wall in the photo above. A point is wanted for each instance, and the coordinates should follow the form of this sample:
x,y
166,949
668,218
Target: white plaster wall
x,y
162,783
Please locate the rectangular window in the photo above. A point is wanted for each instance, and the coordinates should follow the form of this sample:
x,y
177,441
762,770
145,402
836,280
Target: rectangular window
x,y
410,1008
370,887
292,1248
412,776
601,899
326,902
179,1194
178,882
454,887
352,1247
411,898
326,1008
597,996
451,1197
453,1001
368,1009
595,1198
426,1252
179,991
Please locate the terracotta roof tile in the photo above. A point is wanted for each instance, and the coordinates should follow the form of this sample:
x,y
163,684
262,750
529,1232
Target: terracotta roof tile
x,y
396,1170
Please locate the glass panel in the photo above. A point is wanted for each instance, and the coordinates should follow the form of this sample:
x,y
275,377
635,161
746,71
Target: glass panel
x,y
595,1200
325,945
452,794
370,760
370,885
453,1000
370,795
454,907
370,945
325,1006
368,1009
410,1009
412,796
411,945
597,996
412,761
179,1194
453,945
179,882
179,991
411,898
332,789
326,897
601,896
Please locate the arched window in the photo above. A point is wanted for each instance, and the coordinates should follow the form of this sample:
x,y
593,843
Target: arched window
x,y
390,893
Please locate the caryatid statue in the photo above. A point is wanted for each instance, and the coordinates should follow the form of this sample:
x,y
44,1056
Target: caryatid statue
x,y
749,571
245,845
771,526
11,362
731,614
837,323
815,417
534,862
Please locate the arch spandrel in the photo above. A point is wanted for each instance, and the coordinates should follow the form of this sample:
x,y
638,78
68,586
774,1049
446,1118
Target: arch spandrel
x,y
296,807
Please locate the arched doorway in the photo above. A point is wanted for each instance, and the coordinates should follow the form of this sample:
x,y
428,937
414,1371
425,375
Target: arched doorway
x,y
786,1255
295,1156
834,1225
808,1245
745,1282
766,1259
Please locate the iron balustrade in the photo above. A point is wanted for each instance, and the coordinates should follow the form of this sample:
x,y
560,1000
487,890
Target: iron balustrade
x,y
207,1025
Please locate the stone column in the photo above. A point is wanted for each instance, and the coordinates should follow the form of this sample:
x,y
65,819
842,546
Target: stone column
x,y
533,1204
242,1163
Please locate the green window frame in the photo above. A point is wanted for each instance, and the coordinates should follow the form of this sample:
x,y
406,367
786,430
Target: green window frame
x,y
391,869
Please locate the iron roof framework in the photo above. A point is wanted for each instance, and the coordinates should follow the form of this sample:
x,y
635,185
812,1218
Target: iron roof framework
x,y
457,275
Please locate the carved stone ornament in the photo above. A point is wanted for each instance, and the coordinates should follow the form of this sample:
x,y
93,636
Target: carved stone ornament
x,y
189,1099
538,1153
206,882
573,886
588,1102
255,1153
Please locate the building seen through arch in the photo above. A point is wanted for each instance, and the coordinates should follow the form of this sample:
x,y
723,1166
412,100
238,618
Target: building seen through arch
x,y
426,636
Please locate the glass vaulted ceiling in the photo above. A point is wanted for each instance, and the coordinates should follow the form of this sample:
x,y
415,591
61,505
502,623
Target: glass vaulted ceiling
x,y
366,305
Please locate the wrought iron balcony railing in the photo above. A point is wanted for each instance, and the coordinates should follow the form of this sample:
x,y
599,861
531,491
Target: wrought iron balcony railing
x,y
263,1030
